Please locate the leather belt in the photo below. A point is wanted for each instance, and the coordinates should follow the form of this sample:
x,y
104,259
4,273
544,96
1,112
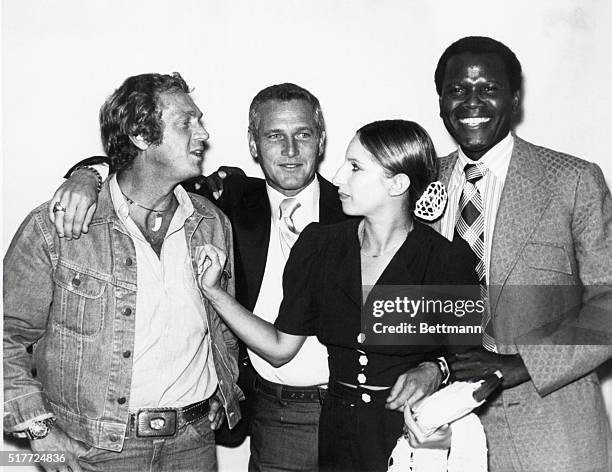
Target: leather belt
x,y
164,422
358,395
314,394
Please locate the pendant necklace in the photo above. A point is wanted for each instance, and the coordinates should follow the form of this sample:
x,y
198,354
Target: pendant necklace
x,y
159,214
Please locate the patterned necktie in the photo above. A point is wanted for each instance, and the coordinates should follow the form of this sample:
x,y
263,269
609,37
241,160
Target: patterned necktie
x,y
287,231
470,226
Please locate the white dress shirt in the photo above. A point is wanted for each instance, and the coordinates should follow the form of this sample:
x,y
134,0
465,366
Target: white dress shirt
x,y
309,366
497,160
172,358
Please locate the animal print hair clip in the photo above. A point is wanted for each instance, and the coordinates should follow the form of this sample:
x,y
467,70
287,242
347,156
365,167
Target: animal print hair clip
x,y
432,203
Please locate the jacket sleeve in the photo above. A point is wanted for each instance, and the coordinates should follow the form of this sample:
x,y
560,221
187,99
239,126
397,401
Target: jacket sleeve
x,y
229,338
28,292
557,354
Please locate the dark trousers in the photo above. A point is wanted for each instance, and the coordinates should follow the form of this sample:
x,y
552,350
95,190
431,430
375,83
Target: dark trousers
x,y
355,436
284,433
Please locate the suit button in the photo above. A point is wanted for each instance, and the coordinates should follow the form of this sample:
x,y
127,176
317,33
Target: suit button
x,y
127,311
127,354
121,400
128,261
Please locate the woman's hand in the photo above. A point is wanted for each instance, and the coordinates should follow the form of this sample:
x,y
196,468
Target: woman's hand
x,y
439,439
211,261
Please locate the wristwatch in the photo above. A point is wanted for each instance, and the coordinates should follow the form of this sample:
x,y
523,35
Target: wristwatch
x,y
37,430
442,365
444,370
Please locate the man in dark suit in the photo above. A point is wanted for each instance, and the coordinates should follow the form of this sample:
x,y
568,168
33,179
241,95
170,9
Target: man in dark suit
x,y
287,139
541,224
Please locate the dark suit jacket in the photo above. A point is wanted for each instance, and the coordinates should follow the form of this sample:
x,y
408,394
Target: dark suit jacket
x,y
551,269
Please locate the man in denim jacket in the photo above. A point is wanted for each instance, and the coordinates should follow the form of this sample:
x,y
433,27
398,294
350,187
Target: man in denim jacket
x,y
111,354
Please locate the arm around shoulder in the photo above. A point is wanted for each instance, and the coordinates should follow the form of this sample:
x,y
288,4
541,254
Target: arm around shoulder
x,y
73,204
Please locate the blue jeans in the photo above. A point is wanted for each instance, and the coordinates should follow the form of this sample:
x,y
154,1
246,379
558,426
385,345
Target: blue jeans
x,y
191,449
284,435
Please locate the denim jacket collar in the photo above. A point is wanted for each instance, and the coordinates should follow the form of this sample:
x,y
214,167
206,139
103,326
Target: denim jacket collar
x,y
105,212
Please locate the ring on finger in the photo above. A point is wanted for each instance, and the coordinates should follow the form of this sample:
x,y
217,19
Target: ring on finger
x,y
58,207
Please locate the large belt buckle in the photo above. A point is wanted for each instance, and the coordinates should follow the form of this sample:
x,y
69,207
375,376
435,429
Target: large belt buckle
x,y
153,422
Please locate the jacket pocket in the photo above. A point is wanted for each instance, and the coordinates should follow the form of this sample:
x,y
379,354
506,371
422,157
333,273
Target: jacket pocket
x,y
81,298
544,256
225,276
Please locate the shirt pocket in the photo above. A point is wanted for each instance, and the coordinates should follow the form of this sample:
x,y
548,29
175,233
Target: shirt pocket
x,y
546,256
81,299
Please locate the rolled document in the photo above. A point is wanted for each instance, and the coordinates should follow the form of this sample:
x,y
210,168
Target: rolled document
x,y
453,402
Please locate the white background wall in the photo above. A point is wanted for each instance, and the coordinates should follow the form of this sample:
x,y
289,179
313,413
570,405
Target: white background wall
x,y
365,60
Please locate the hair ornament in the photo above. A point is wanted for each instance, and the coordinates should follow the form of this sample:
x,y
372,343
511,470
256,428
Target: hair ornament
x,y
432,203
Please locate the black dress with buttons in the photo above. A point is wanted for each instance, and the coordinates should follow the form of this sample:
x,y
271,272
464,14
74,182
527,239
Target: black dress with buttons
x,y
322,296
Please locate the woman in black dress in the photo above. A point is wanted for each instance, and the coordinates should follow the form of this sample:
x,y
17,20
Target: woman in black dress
x,y
388,166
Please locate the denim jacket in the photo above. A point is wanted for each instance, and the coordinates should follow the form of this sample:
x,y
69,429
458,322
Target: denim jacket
x,y
69,309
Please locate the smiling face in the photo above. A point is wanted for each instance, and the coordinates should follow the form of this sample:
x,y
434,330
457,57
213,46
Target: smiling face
x,y
181,151
363,186
287,144
476,103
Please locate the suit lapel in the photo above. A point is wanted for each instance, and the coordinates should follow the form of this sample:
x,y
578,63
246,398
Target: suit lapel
x,y
446,166
330,209
251,220
348,281
523,201
252,233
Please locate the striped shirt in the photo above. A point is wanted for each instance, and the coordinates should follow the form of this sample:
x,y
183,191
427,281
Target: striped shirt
x,y
496,160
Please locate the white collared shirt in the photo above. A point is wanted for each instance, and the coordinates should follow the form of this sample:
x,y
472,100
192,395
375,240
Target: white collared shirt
x,y
309,366
172,358
497,160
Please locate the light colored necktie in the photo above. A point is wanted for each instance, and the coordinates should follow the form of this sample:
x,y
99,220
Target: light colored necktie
x,y
470,226
288,233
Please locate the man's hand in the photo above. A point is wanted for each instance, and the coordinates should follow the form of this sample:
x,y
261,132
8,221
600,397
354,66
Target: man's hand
x,y
78,195
413,386
216,415
59,441
439,439
214,181
480,362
